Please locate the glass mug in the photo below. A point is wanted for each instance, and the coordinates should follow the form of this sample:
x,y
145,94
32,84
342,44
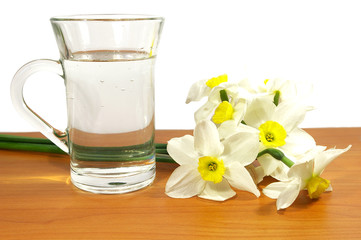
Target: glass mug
x,y
107,63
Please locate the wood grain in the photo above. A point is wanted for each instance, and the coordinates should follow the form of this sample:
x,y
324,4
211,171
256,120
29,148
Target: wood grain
x,y
37,201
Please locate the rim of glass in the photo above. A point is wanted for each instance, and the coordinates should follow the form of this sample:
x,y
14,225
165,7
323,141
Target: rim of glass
x,y
107,17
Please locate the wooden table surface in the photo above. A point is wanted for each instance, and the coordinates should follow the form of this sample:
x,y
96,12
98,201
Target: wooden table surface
x,y
38,201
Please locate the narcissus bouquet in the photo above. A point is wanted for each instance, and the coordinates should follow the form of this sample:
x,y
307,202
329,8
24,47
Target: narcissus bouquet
x,y
243,134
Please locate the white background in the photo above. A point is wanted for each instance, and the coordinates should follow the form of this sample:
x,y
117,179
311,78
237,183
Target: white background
x,y
318,42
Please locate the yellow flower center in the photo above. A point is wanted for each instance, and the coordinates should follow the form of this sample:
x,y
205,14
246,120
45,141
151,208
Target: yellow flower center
x,y
272,134
316,186
213,82
211,169
223,112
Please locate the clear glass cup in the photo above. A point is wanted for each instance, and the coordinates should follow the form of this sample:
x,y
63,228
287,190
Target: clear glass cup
x,y
107,63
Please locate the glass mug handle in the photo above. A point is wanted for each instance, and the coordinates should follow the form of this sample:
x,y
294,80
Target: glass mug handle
x,y
25,111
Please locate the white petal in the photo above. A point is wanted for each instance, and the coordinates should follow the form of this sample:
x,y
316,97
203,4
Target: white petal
x,y
231,127
241,147
245,84
274,190
246,128
305,92
259,111
311,154
281,173
256,173
184,182
245,92
326,157
182,150
239,177
289,195
206,139
269,164
260,174
289,114
274,84
217,191
288,90
239,110
214,96
298,142
227,129
303,170
197,91
205,111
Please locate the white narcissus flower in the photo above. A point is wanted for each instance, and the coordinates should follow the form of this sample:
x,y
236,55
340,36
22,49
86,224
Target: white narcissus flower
x,y
208,167
278,128
285,88
203,88
304,175
224,103
278,90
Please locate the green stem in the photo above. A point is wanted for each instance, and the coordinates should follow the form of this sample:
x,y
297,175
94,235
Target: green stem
x,y
164,158
161,146
36,147
161,151
277,154
21,139
223,95
276,98
11,142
